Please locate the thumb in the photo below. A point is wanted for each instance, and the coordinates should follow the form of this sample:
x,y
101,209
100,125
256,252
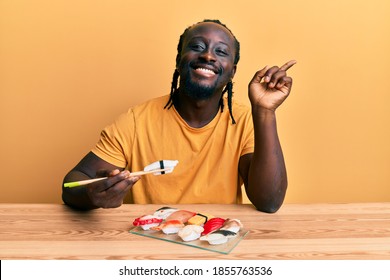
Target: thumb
x,y
259,75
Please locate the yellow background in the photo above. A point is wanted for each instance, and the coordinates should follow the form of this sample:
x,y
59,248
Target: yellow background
x,y
68,68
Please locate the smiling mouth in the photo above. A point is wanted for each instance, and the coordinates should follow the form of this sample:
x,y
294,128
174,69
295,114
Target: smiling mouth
x,y
205,72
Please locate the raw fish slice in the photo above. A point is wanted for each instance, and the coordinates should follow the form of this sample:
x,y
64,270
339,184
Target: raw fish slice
x,y
147,221
233,225
218,237
181,215
199,219
164,212
190,232
169,227
212,225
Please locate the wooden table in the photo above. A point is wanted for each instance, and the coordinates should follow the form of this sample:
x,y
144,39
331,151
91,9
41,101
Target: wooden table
x,y
297,231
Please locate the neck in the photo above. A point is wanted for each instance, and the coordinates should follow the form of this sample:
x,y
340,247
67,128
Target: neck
x,y
197,113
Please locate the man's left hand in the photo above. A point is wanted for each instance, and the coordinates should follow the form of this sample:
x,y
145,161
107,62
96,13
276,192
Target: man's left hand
x,y
270,86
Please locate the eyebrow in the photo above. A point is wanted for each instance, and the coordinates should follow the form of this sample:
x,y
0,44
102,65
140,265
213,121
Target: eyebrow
x,y
201,37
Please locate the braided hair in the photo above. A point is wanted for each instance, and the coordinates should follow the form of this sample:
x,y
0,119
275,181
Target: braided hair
x,y
229,86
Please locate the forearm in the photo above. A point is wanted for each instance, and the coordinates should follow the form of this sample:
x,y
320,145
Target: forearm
x,y
77,197
267,177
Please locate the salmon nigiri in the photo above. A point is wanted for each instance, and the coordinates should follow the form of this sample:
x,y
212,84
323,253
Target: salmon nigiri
x,y
169,227
181,215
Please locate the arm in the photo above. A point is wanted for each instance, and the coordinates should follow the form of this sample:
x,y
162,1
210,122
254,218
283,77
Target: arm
x,y
106,193
264,170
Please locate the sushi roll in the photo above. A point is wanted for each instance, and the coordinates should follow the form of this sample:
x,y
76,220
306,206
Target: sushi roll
x,y
147,221
212,225
219,237
164,212
233,225
169,227
190,232
199,219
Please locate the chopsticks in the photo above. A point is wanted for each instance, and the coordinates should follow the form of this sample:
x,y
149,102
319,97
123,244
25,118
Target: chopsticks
x,y
89,181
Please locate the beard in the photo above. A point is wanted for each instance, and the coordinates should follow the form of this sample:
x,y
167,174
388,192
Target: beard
x,y
198,91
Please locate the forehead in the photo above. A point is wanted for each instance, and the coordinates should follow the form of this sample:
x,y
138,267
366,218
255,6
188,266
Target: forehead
x,y
211,31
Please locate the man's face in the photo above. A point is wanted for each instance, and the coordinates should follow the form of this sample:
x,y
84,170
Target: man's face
x,y
207,60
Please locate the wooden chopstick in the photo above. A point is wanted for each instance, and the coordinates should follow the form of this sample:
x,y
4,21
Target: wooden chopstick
x,y
89,181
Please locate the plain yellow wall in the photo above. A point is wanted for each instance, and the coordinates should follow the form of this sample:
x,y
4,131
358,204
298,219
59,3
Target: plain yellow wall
x,y
68,68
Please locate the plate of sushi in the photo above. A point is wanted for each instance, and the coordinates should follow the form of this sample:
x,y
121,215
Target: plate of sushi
x,y
200,230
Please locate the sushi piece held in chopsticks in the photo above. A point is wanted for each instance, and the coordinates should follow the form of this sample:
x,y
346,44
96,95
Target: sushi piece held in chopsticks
x,y
166,165
199,219
190,232
181,215
164,212
233,225
218,237
169,227
212,225
147,221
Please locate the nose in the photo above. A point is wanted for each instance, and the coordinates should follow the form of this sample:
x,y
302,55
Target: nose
x,y
208,55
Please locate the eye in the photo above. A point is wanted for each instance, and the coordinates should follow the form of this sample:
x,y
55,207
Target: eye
x,y
222,52
197,47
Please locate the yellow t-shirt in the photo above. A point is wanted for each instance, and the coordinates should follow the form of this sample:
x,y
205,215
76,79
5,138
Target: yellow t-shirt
x,y
208,157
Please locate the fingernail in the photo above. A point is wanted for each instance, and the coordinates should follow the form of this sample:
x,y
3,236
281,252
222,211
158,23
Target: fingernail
x,y
134,179
114,172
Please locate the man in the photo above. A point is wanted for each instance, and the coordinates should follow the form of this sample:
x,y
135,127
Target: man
x,y
217,150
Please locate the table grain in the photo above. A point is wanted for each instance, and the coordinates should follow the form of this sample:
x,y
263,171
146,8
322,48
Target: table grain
x,y
297,231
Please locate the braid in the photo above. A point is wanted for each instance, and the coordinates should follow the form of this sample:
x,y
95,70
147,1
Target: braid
x,y
173,89
221,105
229,90
229,85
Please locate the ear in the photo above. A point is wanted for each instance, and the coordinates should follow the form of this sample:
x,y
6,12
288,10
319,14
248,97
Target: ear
x,y
234,71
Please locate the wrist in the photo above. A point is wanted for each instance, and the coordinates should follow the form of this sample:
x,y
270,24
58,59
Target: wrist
x,y
261,113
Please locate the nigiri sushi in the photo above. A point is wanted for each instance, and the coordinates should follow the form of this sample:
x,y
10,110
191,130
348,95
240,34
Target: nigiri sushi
x,y
164,212
233,225
169,227
213,225
199,219
181,215
147,221
190,232
218,237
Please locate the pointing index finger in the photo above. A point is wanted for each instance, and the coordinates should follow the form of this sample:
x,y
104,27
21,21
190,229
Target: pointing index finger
x,y
288,65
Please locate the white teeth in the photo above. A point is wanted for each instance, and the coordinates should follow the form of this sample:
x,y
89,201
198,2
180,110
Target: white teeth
x,y
205,70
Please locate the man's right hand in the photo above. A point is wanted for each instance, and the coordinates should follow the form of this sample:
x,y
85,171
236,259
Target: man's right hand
x,y
110,193
107,193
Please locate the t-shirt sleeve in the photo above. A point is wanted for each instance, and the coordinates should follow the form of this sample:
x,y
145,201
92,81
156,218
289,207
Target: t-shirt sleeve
x,y
116,141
